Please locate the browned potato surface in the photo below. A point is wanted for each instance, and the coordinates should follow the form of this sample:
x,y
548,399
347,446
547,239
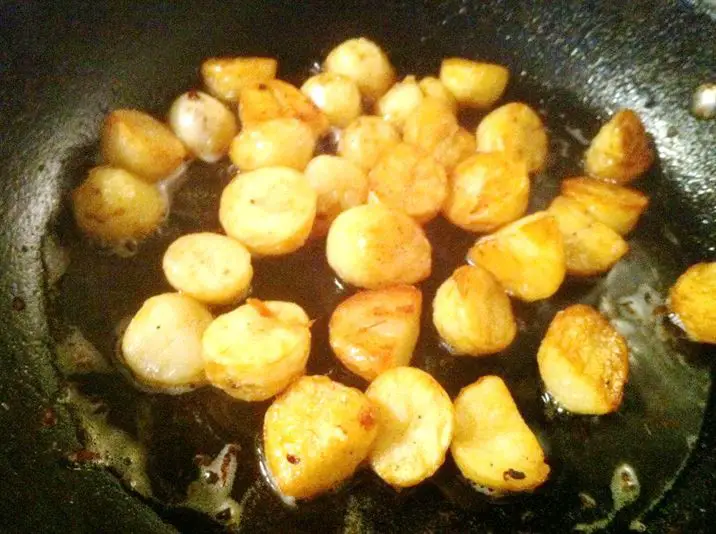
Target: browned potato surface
x,y
693,300
226,77
474,84
366,139
365,63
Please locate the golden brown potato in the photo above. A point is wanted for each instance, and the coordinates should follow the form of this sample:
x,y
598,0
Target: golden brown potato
x,y
315,436
406,179
113,205
526,256
276,99
432,87
590,246
693,300
162,344
415,425
270,210
374,246
340,184
139,143
493,446
365,63
474,84
373,331
620,152
429,125
336,95
472,313
212,268
487,191
273,143
226,77
516,130
365,140
400,101
616,206
255,351
584,361
454,149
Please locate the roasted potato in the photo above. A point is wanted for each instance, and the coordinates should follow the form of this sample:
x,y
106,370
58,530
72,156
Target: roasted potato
x,y
584,361
270,210
211,268
616,206
277,142
590,246
255,351
526,256
454,149
365,63
374,246
620,152
400,101
336,95
339,183
162,344
693,300
373,331
315,436
517,130
226,77
204,125
429,125
407,179
493,447
276,99
139,143
474,84
365,140
433,88
415,425
487,191
472,313
113,205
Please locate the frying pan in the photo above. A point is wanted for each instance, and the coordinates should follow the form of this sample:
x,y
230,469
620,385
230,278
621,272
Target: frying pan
x,y
64,64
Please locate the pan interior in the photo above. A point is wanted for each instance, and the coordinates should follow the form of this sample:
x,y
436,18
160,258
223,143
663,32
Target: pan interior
x,y
603,468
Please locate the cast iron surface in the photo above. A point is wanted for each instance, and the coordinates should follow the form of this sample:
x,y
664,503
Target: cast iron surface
x,y
62,65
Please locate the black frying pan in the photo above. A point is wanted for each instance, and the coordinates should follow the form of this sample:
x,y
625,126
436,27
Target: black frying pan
x,y
63,65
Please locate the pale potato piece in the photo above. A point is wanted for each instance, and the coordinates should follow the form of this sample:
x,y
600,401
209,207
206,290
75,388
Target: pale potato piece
x,y
584,361
204,125
474,84
255,351
693,300
376,330
270,210
526,256
365,140
486,192
365,63
212,268
517,130
415,426
621,151
374,246
472,313
590,246
336,95
139,143
226,77
113,205
400,101
616,206
432,87
278,142
430,124
339,183
454,149
316,435
406,179
276,99
162,344
492,445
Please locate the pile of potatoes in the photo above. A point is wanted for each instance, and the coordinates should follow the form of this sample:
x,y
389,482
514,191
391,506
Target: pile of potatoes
x,y
401,159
